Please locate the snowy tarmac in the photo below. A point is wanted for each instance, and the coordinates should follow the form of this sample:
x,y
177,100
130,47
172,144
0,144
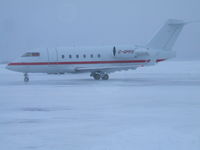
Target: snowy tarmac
x,y
154,108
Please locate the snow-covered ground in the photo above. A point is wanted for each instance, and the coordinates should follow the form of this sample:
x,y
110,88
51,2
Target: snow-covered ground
x,y
156,108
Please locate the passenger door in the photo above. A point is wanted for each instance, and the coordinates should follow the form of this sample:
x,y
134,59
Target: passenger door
x,y
53,60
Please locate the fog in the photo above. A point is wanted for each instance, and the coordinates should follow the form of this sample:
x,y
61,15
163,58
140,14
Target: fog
x,y
29,24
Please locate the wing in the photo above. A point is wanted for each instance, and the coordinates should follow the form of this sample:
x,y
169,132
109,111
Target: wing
x,y
108,69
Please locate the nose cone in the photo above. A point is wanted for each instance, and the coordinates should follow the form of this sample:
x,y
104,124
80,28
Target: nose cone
x,y
8,66
15,67
11,67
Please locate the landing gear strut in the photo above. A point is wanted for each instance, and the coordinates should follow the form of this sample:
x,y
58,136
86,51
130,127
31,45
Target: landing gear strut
x,y
26,78
99,75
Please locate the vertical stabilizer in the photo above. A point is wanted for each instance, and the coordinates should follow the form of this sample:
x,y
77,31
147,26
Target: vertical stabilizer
x,y
167,35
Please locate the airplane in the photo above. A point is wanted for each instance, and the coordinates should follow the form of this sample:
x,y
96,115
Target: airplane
x,y
100,61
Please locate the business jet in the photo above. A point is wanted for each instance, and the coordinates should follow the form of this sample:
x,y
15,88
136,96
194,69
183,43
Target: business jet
x,y
100,61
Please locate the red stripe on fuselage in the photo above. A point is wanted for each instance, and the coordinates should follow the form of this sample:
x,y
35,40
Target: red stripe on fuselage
x,y
81,62
159,60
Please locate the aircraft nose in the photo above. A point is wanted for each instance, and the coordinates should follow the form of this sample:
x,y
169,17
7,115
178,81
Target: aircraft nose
x,y
13,67
8,66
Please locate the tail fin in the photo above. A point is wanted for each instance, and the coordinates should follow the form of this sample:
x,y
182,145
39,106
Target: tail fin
x,y
167,35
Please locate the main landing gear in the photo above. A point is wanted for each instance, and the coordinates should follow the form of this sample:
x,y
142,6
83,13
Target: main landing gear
x,y
26,78
99,75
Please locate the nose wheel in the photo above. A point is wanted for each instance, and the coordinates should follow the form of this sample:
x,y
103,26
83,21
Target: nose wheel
x,y
26,78
99,75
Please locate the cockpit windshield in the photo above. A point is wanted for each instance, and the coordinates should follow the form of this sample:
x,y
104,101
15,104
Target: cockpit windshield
x,y
31,54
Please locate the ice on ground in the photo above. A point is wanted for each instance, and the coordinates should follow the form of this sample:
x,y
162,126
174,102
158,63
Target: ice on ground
x,y
151,108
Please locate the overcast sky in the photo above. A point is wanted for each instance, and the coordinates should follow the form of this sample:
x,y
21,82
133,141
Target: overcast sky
x,y
29,24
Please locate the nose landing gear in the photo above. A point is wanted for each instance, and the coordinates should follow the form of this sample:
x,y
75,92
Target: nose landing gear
x,y
26,78
99,75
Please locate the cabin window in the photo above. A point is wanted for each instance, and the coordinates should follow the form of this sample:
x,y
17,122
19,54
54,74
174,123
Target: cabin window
x,y
84,56
31,54
70,56
98,55
35,54
77,56
63,56
91,55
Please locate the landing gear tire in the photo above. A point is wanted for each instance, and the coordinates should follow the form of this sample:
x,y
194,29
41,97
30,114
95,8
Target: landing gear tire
x,y
105,77
26,78
97,76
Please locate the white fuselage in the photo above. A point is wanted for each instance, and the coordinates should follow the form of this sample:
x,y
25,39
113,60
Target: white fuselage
x,y
70,60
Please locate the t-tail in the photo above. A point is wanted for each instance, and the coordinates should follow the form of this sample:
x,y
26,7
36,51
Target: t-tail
x,y
162,43
167,35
